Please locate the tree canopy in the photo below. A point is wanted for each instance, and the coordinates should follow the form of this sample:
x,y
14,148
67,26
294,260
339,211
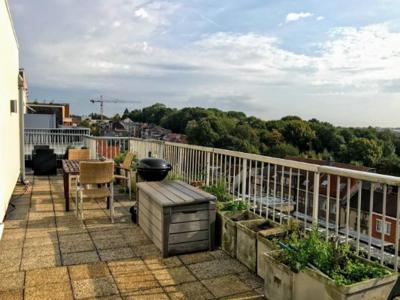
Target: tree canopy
x,y
289,136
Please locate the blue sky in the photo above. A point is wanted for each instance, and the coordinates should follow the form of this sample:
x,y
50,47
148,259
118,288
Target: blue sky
x,y
338,61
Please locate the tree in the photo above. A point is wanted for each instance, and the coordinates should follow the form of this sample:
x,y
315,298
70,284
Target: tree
x,y
283,150
365,150
125,114
299,134
271,138
155,112
201,133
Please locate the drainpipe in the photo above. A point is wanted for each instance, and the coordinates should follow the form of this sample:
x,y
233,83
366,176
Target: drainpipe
x,y
21,128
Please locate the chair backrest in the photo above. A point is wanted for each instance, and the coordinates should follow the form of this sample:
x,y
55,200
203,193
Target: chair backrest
x,y
78,154
128,160
96,172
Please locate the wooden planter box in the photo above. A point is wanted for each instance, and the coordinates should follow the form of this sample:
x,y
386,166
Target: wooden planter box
x,y
229,229
281,283
177,217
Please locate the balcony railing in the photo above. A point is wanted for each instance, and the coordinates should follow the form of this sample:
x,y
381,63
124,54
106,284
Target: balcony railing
x,y
342,202
57,138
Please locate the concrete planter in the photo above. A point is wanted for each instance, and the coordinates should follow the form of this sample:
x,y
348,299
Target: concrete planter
x,y
281,283
264,244
229,230
325,288
279,280
246,250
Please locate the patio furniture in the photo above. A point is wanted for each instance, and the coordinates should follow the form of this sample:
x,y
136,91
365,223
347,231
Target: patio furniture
x,y
44,161
177,217
70,170
78,154
95,181
125,171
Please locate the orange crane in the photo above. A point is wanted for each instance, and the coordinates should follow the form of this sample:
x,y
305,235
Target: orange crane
x,y
101,100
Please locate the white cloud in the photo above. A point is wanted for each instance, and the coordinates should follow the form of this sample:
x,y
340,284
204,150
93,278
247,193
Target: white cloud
x,y
142,13
292,17
240,71
320,18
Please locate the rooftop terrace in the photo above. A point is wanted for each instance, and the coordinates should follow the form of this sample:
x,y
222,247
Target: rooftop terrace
x,y
47,253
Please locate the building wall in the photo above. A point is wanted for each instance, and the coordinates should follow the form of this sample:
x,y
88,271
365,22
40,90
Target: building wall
x,y
9,122
391,238
40,121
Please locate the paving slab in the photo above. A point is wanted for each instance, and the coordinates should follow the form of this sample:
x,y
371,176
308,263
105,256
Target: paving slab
x,y
59,291
88,271
94,287
46,276
215,268
192,290
12,281
226,286
80,258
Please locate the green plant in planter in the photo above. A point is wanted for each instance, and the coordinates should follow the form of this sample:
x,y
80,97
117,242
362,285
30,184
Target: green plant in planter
x,y
120,157
173,176
336,260
219,190
234,205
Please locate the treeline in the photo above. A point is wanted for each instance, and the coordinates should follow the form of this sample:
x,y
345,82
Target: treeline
x,y
289,136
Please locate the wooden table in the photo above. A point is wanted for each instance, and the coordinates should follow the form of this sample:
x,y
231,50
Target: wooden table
x,y
70,169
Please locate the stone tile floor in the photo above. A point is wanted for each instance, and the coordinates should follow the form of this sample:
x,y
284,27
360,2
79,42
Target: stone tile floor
x,y
47,253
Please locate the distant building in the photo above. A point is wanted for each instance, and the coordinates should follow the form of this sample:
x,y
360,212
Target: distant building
x,y
60,111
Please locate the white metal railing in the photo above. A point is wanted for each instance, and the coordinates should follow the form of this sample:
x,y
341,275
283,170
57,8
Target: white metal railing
x,y
341,202
57,138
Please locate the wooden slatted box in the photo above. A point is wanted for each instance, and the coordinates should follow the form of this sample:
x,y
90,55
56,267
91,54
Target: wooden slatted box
x,y
177,217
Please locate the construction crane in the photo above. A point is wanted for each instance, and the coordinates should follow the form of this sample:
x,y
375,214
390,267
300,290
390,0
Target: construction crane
x,y
101,100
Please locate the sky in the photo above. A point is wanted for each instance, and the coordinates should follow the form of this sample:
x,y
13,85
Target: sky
x,y
337,61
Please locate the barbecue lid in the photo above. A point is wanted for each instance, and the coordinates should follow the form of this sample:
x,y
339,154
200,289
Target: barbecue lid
x,y
152,163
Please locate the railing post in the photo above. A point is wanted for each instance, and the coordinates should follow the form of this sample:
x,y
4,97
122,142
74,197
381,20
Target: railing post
x,y
244,177
208,168
180,161
316,198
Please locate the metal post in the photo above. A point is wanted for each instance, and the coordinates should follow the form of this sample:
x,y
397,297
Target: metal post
x,y
315,199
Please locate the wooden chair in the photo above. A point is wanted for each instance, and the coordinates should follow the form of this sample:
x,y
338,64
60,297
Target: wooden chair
x,y
125,171
78,154
95,181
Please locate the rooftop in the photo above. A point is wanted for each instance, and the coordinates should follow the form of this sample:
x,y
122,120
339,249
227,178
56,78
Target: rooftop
x,y
47,253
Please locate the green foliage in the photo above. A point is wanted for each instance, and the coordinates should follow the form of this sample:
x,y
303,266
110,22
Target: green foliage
x,y
289,136
174,176
219,190
332,258
365,150
235,205
225,202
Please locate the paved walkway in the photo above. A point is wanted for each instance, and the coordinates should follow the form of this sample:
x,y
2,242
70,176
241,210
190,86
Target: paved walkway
x,y
46,253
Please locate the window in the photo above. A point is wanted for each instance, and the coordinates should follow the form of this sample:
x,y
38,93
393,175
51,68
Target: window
x,y
379,227
324,183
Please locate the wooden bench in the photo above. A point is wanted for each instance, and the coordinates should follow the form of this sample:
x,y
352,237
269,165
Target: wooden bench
x,y
177,217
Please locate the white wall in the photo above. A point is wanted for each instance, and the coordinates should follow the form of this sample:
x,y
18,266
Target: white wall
x,y
9,123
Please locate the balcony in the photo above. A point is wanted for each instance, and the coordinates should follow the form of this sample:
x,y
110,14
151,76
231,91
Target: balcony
x,y
45,249
47,253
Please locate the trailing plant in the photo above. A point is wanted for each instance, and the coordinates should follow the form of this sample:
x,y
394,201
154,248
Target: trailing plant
x,y
334,259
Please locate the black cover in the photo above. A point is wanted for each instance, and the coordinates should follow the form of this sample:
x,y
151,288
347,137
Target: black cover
x,y
44,162
153,169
